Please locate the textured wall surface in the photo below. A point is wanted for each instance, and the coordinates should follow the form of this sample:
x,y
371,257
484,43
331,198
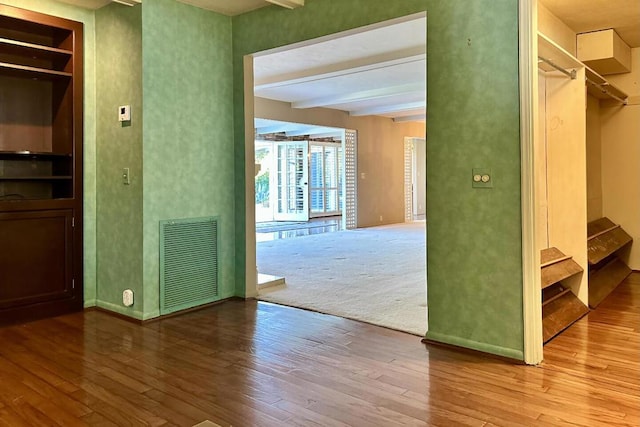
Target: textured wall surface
x,y
188,135
119,145
89,150
474,239
193,166
621,158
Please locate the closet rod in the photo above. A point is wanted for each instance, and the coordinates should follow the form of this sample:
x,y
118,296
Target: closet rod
x,y
571,73
606,92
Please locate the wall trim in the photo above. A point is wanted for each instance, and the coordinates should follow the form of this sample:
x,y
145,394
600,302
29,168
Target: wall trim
x,y
509,353
121,310
158,317
531,292
251,267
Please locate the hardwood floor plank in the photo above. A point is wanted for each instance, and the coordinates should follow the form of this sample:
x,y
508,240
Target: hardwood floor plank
x,y
244,363
96,420
9,418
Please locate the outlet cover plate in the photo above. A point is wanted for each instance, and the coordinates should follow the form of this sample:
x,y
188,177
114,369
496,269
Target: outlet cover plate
x,y
483,172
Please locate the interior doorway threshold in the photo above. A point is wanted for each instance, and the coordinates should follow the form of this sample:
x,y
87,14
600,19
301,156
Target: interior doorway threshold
x,y
269,281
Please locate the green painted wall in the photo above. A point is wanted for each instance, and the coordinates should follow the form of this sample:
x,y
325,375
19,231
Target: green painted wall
x,y
474,269
87,18
119,145
474,262
188,148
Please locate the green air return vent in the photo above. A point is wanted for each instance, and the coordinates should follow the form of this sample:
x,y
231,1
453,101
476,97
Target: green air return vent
x,y
188,263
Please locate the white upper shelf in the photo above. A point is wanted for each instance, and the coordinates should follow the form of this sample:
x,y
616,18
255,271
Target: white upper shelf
x,y
597,85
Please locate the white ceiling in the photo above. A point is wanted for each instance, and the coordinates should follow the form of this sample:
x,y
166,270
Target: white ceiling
x,y
591,15
266,126
226,7
375,70
380,70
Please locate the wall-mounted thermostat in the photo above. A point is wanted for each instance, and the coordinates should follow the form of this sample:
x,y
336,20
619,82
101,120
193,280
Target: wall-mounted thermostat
x,y
124,113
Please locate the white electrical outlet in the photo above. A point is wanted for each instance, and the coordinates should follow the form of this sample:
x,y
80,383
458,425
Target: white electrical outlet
x,y
127,297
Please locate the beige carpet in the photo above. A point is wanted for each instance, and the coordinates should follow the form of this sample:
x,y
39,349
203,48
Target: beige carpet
x,y
376,275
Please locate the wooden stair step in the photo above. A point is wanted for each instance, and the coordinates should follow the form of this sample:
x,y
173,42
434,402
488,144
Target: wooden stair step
x,y
556,266
605,280
604,238
560,313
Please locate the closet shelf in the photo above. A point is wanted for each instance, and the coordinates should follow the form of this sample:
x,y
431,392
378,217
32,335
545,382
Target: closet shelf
x,y
559,311
605,280
552,57
560,306
604,239
599,87
556,266
552,52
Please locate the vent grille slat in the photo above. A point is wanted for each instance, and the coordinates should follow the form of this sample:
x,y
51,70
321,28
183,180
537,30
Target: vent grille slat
x,y
188,263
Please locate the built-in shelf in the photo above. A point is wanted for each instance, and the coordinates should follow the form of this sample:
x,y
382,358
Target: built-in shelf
x,y
560,307
41,141
19,48
551,53
35,178
559,312
32,72
601,88
605,239
558,292
556,267
30,155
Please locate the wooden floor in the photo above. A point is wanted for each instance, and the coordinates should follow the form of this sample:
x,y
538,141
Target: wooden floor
x,y
255,364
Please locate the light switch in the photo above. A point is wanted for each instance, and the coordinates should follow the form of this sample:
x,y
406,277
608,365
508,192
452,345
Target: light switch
x,y
125,176
124,113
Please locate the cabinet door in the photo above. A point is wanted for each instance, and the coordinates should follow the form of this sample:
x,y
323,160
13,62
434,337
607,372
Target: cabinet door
x,y
36,262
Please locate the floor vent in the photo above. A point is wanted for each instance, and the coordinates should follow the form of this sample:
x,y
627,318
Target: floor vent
x,y
188,263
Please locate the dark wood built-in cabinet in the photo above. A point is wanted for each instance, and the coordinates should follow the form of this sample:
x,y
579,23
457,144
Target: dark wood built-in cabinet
x,y
40,165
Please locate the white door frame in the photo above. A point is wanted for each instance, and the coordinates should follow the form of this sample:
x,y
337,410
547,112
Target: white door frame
x,y
531,290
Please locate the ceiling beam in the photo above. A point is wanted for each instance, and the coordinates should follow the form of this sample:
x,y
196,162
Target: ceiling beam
x,y
386,109
412,118
366,95
315,131
275,128
390,59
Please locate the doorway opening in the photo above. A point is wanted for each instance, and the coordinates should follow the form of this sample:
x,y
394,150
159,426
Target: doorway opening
x,y
304,179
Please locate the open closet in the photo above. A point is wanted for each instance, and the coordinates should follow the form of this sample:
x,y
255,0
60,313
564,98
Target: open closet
x,y
588,163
